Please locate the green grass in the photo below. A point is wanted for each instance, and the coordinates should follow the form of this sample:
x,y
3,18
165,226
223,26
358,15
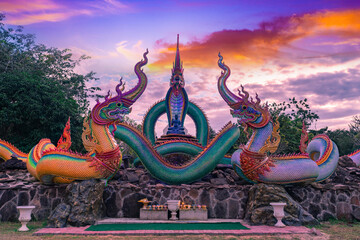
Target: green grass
x,y
166,226
338,229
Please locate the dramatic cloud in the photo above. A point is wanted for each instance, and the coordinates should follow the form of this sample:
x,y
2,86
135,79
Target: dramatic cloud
x,y
314,54
333,96
272,39
344,23
322,87
18,6
238,45
23,12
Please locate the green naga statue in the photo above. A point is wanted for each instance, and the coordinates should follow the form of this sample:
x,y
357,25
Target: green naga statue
x,y
176,106
176,98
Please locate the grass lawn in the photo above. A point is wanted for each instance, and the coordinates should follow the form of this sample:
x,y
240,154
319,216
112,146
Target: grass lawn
x,y
333,230
340,230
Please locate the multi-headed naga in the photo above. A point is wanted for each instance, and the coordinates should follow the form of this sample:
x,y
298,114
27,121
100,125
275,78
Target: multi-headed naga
x,y
51,164
255,162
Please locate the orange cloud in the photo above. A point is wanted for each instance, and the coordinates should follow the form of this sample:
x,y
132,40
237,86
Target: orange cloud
x,y
346,23
16,6
256,46
23,12
237,45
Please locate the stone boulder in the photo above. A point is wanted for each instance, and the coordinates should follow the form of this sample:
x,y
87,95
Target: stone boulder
x,y
83,204
345,161
356,212
346,173
86,201
12,164
58,217
259,211
343,211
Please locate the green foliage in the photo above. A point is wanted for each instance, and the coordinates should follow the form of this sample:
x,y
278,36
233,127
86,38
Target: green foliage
x,y
39,90
347,140
354,127
242,140
291,116
126,149
212,133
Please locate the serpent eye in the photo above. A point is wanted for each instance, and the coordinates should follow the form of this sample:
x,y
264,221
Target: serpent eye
x,y
244,107
118,104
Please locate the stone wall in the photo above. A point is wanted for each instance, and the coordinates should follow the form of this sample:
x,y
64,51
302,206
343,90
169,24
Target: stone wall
x,y
336,197
18,188
325,201
225,194
224,201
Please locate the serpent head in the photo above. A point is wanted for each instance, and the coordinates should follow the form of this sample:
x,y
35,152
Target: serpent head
x,y
113,109
244,109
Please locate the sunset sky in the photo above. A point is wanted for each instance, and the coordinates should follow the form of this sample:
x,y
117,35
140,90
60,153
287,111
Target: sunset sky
x,y
278,49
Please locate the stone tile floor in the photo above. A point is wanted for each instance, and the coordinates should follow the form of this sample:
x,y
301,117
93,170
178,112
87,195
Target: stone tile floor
x,y
253,230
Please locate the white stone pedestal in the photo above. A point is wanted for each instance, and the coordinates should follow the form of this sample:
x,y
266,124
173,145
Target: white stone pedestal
x,y
193,214
146,214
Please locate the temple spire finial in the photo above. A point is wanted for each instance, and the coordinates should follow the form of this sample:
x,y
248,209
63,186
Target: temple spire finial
x,y
177,64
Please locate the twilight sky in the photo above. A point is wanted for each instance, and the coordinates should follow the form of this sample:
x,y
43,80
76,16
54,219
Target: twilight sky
x,y
279,49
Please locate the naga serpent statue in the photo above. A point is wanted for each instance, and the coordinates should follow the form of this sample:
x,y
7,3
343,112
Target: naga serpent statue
x,y
176,100
254,161
51,164
177,106
153,153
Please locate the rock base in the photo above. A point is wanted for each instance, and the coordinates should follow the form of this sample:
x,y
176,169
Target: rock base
x,y
259,211
222,191
83,205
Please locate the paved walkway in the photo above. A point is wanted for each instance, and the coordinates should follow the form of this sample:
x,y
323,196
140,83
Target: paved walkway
x,y
253,230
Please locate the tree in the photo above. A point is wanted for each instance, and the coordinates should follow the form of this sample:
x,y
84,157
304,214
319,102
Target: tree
x,y
39,90
347,140
126,149
291,116
344,139
354,128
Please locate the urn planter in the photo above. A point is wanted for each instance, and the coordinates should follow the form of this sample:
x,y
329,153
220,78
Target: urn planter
x,y
279,213
25,217
173,206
